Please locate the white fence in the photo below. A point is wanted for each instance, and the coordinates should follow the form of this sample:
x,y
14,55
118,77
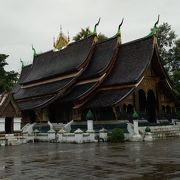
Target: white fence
x,y
65,137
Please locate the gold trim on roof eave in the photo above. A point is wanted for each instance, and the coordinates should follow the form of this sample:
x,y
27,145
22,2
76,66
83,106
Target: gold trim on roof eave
x,y
91,80
52,80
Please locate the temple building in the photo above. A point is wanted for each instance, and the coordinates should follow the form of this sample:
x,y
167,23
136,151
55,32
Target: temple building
x,y
111,78
10,115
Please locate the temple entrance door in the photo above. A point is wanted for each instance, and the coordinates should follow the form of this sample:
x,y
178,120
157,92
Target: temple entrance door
x,y
8,125
142,102
151,106
60,113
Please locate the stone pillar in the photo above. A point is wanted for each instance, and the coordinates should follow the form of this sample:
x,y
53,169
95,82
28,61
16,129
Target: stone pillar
x,y
136,99
89,125
17,124
45,115
2,125
148,136
136,128
91,135
136,136
51,135
36,132
60,135
78,136
103,134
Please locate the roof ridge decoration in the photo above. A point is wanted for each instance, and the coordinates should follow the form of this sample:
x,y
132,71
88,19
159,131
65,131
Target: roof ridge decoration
x,y
34,51
22,63
94,31
119,29
154,29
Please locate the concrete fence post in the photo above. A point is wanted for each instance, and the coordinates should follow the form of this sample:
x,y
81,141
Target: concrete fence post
x,y
60,135
51,135
89,125
78,136
2,125
136,136
36,132
103,134
17,124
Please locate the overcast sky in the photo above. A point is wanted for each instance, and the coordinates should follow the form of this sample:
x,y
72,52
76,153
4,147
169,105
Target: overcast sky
x,y
27,22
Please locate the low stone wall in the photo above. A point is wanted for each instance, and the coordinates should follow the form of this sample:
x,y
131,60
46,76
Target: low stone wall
x,y
11,139
65,137
150,133
162,132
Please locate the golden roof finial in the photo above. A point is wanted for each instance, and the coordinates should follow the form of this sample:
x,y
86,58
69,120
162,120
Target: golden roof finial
x,y
60,29
62,40
68,37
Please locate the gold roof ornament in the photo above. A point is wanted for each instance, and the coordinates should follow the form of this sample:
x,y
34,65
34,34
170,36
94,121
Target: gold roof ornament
x,y
61,41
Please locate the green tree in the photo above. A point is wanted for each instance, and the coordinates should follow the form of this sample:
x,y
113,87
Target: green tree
x,y
85,33
7,79
166,40
169,49
176,65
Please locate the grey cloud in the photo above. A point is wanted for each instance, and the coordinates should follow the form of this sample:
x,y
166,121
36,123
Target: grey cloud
x,y
27,22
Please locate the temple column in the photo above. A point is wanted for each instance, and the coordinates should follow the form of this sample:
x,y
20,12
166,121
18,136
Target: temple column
x,y
17,124
136,100
115,112
45,117
2,125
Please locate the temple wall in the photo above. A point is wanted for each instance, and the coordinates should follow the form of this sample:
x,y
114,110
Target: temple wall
x,y
76,114
149,83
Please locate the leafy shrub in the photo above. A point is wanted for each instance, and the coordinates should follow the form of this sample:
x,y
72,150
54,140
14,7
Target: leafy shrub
x,y
117,135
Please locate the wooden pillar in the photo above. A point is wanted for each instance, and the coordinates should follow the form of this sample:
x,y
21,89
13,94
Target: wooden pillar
x,y
115,113
136,100
45,117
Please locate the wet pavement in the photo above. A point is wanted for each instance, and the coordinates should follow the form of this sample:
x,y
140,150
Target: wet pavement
x,y
134,161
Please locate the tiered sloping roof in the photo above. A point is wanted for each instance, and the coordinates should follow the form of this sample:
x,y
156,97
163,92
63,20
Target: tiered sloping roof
x,y
86,73
133,58
53,73
8,107
99,67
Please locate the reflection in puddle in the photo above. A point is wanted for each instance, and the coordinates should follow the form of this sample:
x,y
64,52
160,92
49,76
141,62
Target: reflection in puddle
x,y
133,161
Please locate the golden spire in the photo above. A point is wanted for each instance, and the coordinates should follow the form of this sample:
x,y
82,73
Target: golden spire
x,y
68,37
62,40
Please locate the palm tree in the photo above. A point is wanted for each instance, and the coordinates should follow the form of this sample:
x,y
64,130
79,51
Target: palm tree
x,y
86,32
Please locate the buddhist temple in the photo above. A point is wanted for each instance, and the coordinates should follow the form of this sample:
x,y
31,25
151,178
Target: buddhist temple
x,y
10,115
111,78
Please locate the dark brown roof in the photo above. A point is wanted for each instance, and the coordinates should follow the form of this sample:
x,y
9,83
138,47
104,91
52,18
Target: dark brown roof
x,y
132,60
101,59
67,60
78,91
24,73
99,64
34,103
8,106
43,89
107,98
